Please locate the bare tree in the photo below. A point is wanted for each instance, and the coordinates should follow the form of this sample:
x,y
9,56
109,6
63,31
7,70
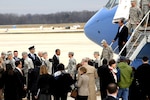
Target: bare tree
x,y
54,18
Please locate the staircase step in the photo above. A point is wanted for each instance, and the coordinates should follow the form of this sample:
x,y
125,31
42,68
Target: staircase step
x,y
130,54
143,28
133,49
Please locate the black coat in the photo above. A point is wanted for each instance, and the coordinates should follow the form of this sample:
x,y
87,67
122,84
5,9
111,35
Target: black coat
x,y
9,83
20,80
36,61
122,36
55,63
110,98
142,74
32,79
62,84
106,77
45,84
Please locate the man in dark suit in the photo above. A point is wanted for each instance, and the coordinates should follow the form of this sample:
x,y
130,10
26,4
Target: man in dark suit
x,y
122,36
21,87
142,75
34,57
112,91
16,55
105,77
55,60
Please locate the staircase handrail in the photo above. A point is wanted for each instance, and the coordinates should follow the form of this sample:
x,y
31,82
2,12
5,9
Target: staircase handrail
x,y
133,45
134,32
115,47
111,44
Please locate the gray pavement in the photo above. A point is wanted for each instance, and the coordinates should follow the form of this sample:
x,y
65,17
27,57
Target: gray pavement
x,y
76,42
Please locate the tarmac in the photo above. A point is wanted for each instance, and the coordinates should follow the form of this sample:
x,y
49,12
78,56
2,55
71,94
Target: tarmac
x,y
66,42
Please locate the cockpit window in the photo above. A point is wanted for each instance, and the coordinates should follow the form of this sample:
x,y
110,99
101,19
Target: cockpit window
x,y
112,3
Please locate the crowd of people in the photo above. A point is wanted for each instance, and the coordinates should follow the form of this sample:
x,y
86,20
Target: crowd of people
x,y
38,77
33,75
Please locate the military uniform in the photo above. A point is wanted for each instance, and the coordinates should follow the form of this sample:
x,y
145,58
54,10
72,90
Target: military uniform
x,y
135,16
145,7
71,67
48,65
144,4
107,53
10,61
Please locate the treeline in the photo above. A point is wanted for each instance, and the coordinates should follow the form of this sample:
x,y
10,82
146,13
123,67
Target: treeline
x,y
54,18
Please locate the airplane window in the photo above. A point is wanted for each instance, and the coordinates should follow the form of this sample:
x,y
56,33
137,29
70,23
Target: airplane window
x,y
112,3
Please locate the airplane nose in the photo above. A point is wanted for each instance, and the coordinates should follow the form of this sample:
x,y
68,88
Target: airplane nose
x,y
100,26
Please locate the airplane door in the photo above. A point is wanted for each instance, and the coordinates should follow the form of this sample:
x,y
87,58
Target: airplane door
x,y
123,10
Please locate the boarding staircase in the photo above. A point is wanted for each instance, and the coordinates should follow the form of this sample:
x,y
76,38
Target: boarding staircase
x,y
134,46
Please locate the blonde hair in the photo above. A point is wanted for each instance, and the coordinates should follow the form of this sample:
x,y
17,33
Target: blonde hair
x,y
83,69
43,70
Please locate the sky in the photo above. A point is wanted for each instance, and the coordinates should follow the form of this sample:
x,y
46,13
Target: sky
x,y
49,6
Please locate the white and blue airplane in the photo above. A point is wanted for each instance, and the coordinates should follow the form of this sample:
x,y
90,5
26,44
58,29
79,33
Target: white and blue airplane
x,y
103,26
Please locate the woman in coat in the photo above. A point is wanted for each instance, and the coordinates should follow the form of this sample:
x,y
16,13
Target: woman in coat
x,y
9,84
44,84
1,72
82,84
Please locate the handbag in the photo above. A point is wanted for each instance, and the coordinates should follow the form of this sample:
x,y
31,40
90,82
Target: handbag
x,y
74,93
